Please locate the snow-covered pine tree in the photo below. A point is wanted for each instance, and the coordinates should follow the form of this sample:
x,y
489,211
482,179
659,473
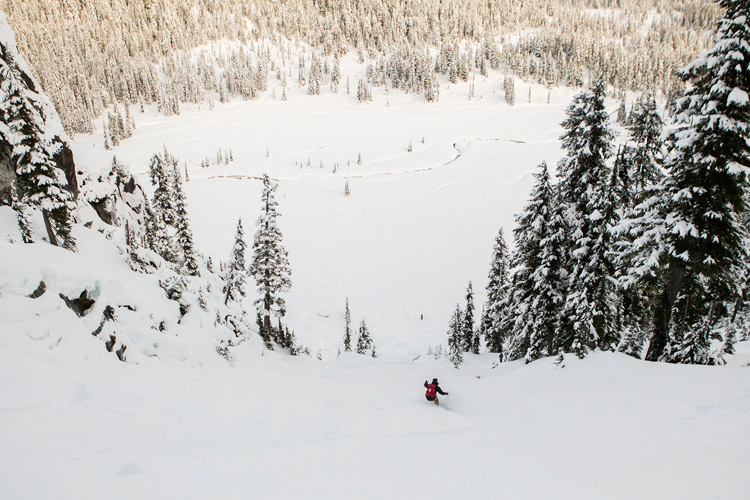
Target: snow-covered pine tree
x,y
234,289
39,183
622,114
538,281
270,262
157,236
455,338
347,328
22,215
161,178
730,337
182,224
294,348
631,342
641,266
266,331
467,326
476,343
708,161
590,304
509,88
496,294
335,72
283,338
645,130
640,173
364,342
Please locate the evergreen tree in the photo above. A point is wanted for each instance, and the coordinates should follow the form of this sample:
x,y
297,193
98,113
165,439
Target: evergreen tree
x,y
294,348
586,188
639,173
335,72
477,342
235,277
39,183
729,340
265,330
22,215
347,328
646,130
157,235
270,262
364,342
622,114
640,261
509,88
708,157
467,328
496,294
484,327
455,338
631,343
184,233
163,199
538,281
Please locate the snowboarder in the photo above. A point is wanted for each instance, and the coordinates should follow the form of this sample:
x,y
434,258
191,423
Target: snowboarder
x,y
433,389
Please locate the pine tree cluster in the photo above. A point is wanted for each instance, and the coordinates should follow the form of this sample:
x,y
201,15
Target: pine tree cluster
x,y
648,244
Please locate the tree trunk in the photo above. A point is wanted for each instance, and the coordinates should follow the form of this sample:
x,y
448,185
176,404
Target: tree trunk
x,y
267,317
48,226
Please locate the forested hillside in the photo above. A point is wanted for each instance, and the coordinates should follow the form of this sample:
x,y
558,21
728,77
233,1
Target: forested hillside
x,y
92,55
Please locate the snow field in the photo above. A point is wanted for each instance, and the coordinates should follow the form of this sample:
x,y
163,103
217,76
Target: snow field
x,y
279,427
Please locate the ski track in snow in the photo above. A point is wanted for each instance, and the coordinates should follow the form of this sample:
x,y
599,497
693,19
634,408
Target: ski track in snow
x,y
459,154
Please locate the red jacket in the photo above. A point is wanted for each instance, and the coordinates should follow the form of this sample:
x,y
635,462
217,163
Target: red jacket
x,y
437,388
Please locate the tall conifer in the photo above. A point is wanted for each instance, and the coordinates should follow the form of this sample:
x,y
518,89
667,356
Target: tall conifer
x,y
270,262
496,293
234,289
708,161
585,182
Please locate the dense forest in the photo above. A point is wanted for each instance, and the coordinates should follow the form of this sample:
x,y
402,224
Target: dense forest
x,y
89,56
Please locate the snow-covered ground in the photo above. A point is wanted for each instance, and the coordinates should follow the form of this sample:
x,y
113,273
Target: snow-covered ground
x,y
75,423
285,428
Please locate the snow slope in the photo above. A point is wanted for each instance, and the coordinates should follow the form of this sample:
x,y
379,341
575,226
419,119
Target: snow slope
x,y
607,427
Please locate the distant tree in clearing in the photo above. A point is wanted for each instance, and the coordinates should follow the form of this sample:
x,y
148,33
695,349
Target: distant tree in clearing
x,y
364,342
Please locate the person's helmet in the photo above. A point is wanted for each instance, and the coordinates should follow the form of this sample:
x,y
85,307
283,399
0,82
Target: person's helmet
x,y
434,381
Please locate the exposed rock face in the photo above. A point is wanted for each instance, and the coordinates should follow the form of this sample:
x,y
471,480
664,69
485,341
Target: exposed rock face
x,y
46,118
7,171
116,198
64,161
80,305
